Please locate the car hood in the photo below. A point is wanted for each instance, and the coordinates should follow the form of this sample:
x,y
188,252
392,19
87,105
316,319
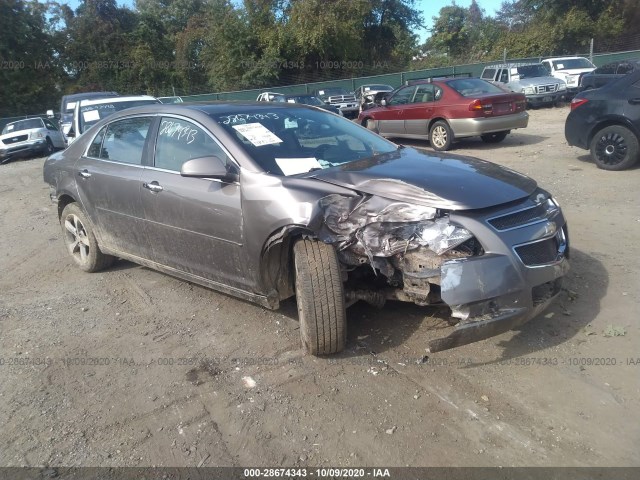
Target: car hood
x,y
437,180
535,81
575,71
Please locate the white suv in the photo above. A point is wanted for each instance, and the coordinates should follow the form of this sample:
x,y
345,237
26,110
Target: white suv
x,y
569,69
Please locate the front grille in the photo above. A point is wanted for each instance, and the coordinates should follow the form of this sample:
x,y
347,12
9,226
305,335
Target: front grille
x,y
342,99
523,217
540,253
12,140
546,88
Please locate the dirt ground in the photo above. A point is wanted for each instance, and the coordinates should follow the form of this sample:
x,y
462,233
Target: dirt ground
x,y
130,367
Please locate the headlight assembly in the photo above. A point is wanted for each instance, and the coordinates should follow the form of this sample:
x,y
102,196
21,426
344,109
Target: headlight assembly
x,y
442,236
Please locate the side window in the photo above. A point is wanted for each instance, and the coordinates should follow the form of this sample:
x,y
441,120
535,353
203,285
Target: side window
x,y
624,68
489,73
124,140
180,140
608,69
504,75
50,125
424,93
96,144
403,96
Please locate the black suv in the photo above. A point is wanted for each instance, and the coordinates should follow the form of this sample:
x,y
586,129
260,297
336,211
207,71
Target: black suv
x,y
607,121
607,73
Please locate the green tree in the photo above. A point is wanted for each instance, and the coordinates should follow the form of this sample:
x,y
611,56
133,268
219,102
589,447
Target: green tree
x,y
29,72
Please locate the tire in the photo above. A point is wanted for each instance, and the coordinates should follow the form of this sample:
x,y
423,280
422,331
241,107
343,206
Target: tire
x,y
440,136
320,297
614,148
49,148
494,137
81,242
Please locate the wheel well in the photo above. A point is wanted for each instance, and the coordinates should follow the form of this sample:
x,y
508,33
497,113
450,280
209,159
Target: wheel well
x,y
434,120
276,263
63,201
610,122
364,121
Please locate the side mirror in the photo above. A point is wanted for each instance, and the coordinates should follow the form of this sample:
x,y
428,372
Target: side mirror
x,y
207,167
383,102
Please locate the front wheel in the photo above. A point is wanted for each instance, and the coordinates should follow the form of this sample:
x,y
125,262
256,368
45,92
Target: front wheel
x,y
494,137
440,136
49,148
320,297
81,242
614,148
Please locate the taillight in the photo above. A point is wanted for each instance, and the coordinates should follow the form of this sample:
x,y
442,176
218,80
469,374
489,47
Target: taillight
x,y
576,102
478,106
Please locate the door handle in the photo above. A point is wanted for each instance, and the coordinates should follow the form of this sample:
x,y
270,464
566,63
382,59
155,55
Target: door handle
x,y
84,173
634,101
153,186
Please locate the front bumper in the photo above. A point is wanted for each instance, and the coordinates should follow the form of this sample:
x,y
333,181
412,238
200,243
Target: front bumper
x,y
23,149
472,127
545,98
517,278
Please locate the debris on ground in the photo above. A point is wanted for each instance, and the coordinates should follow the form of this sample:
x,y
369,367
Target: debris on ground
x,y
614,331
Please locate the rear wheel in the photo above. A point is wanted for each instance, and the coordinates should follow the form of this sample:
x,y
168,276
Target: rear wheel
x,y
81,242
320,297
496,137
614,148
440,136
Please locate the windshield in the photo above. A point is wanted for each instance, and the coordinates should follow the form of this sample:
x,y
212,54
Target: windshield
x,y
333,91
92,114
307,100
470,87
295,140
531,71
22,125
377,88
570,63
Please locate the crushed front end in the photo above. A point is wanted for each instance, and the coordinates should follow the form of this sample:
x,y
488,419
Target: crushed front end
x,y
496,268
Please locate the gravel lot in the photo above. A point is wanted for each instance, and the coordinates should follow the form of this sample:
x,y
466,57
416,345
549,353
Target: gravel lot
x,y
130,367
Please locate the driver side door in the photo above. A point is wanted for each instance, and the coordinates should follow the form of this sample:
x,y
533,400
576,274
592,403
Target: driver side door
x,y
391,118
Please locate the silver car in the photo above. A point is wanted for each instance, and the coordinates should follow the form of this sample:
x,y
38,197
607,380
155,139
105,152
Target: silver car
x,y
264,201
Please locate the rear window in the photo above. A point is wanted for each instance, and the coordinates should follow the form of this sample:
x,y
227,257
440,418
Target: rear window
x,y
471,87
92,114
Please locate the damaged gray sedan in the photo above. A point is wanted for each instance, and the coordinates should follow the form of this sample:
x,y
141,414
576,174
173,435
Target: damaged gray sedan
x,y
265,202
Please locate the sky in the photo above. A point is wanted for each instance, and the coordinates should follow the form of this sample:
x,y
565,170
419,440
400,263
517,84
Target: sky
x,y
429,9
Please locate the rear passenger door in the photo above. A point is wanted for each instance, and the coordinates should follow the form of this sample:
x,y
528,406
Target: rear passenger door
x,y
194,224
108,177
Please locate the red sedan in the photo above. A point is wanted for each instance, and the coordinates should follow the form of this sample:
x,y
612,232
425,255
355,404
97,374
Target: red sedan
x,y
445,110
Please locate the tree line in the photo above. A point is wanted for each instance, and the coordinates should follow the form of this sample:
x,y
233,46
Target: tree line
x,y
166,47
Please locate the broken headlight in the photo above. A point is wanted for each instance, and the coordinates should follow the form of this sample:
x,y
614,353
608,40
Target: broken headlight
x,y
442,236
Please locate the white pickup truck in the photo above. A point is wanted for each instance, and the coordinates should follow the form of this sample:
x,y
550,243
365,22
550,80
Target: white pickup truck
x,y
569,69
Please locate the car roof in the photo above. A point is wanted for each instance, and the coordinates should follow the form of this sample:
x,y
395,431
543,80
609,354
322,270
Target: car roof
x,y
101,101
76,96
209,108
